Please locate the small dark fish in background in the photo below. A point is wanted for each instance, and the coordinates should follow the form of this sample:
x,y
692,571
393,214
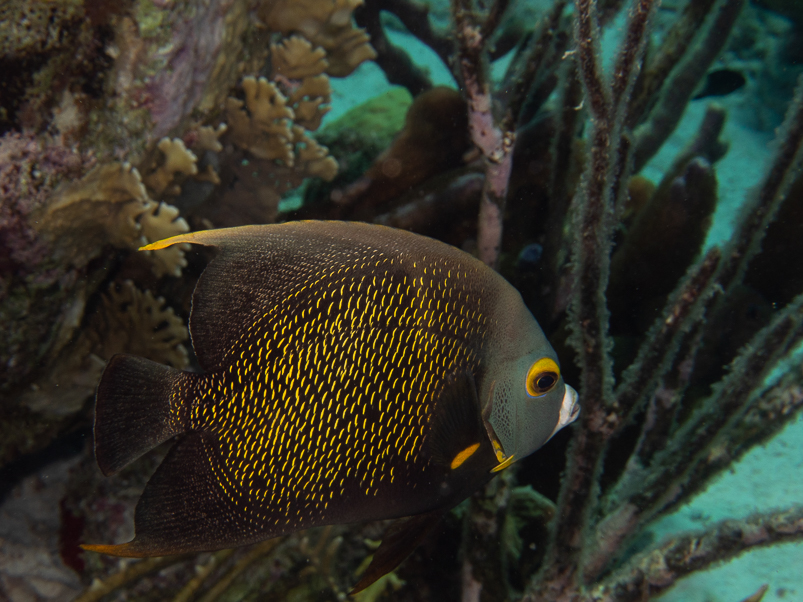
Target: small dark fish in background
x,y
721,83
352,372
529,258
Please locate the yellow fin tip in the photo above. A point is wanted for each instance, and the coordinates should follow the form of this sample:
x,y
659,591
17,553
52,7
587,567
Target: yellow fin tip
x,y
159,244
504,464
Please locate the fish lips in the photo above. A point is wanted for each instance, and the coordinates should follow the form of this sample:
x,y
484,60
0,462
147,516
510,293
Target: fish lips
x,y
569,410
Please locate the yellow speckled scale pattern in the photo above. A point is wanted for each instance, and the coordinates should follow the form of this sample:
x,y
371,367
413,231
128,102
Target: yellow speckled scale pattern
x,y
325,399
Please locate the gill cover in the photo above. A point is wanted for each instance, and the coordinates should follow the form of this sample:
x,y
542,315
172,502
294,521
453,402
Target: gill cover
x,y
527,401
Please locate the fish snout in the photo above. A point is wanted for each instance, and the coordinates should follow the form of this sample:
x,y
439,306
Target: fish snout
x,y
569,410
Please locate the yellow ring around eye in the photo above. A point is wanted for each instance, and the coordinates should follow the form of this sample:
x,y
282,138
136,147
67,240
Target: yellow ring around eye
x,y
542,376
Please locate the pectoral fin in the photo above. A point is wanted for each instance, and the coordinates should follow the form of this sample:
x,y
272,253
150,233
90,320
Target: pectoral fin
x,y
457,432
401,538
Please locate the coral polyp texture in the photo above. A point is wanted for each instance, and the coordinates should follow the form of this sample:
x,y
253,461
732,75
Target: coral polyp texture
x,y
261,124
616,167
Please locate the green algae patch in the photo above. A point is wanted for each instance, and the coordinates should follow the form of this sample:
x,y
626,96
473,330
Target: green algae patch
x,y
357,137
376,121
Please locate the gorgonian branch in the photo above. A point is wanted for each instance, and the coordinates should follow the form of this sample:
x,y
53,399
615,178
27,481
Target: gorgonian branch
x,y
655,571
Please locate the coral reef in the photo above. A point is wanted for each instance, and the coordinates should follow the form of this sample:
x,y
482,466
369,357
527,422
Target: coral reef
x,y
324,24
117,140
126,123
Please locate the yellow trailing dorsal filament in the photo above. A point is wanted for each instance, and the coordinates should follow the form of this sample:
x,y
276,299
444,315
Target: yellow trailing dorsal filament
x,y
464,455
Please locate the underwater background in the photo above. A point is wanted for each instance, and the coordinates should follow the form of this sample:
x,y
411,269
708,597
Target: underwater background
x,y
124,123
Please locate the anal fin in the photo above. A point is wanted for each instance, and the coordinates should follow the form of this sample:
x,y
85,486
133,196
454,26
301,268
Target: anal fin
x,y
401,538
184,508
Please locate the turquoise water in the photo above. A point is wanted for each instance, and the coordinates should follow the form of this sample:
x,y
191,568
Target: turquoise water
x,y
768,477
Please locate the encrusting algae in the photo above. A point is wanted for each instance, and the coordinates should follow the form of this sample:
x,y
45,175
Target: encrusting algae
x,y
124,124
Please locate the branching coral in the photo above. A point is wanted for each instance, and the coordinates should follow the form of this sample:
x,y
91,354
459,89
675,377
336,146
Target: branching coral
x,y
79,229
128,321
589,533
132,321
295,59
160,221
273,152
267,131
325,23
262,123
661,394
309,97
176,160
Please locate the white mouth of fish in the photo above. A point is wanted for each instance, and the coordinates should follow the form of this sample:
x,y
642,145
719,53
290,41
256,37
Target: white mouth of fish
x,y
569,410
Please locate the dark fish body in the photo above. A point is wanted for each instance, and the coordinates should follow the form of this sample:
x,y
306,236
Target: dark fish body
x,y
351,372
721,83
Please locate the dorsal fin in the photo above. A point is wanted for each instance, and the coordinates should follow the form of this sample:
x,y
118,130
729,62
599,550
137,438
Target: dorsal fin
x,y
260,267
257,268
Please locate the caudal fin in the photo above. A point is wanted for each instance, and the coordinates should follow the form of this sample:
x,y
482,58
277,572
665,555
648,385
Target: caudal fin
x,y
139,404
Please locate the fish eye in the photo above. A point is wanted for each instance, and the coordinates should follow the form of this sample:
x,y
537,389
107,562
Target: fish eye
x,y
542,376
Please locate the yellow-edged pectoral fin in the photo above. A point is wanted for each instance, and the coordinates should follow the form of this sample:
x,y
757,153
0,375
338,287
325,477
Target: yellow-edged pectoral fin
x,y
464,455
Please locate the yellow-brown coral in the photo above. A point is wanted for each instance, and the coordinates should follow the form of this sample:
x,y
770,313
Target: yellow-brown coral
x,y
312,159
308,99
177,159
162,221
101,208
133,321
294,59
261,125
209,138
281,152
110,206
325,23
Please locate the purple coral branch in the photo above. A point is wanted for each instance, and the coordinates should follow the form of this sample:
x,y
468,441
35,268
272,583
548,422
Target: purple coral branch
x,y
687,463
559,575
495,145
545,48
660,345
493,18
760,211
684,466
764,416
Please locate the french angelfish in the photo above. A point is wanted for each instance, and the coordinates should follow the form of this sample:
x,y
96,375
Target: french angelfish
x,y
351,372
